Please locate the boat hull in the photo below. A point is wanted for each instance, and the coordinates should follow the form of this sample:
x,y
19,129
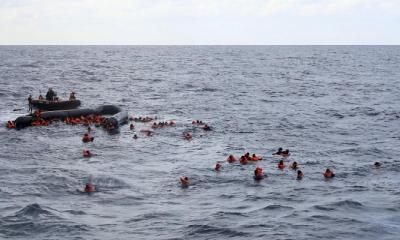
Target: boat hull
x,y
55,105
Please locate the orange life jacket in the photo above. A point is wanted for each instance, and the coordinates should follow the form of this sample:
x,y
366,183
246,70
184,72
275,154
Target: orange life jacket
x,y
36,123
10,125
231,159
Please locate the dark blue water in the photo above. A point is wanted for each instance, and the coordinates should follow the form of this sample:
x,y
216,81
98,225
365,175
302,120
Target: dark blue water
x,y
332,106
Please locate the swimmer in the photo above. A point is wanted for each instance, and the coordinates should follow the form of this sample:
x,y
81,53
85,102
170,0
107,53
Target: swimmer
x,y
279,152
206,128
258,173
135,136
89,129
87,153
10,124
281,165
285,153
184,181
294,166
243,160
256,158
300,175
131,127
218,167
377,164
87,138
231,159
187,136
328,173
89,188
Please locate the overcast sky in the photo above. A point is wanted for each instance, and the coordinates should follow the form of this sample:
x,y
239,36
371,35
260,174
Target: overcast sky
x,y
199,22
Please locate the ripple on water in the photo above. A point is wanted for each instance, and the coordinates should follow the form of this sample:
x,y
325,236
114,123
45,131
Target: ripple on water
x,y
208,231
34,220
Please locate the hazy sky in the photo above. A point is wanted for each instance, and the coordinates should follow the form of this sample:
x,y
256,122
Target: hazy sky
x,y
199,21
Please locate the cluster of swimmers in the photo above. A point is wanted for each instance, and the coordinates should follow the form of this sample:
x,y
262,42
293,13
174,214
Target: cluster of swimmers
x,y
86,121
282,153
163,124
203,125
259,172
89,187
142,119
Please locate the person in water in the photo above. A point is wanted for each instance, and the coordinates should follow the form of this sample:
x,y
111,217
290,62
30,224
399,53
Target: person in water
x,y
206,128
10,124
131,127
285,153
135,136
185,181
281,165
279,152
243,160
258,173
72,96
187,136
87,138
255,158
89,188
294,165
218,167
328,173
231,159
51,95
300,175
377,164
87,153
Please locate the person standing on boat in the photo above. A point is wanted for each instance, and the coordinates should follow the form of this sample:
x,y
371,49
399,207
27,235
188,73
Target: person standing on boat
x,y
30,103
50,95
72,96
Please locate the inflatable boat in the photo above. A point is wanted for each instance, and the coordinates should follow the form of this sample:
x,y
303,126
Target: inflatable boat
x,y
117,118
55,105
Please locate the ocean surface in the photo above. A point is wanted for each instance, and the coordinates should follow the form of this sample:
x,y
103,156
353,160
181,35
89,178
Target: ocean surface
x,y
334,107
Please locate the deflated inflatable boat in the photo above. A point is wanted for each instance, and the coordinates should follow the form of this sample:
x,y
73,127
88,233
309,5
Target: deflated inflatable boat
x,y
118,117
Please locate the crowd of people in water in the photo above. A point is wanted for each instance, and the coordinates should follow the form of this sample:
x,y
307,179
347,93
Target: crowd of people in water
x,y
259,172
98,120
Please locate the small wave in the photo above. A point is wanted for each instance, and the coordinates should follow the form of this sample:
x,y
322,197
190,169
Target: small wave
x,y
149,216
367,111
195,230
225,214
207,89
75,212
31,65
276,207
345,204
87,72
32,210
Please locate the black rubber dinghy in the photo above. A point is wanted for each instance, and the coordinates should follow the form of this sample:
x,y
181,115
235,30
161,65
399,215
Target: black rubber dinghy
x,y
117,118
55,105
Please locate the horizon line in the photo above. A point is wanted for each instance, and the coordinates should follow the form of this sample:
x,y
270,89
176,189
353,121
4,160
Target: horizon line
x,y
199,44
